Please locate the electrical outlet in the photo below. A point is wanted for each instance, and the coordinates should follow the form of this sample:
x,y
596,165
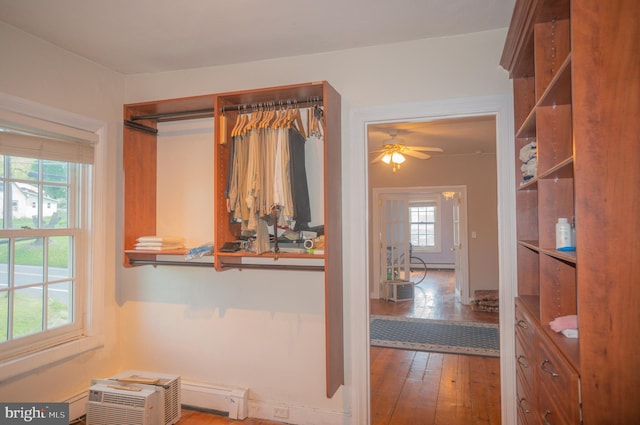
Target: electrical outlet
x,y
281,412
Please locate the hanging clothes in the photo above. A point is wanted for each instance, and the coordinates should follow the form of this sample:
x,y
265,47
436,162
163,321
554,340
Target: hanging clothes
x,y
300,189
267,171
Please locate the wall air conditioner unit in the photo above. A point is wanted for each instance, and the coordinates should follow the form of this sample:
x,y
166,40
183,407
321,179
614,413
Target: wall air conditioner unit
x,y
110,403
167,385
399,290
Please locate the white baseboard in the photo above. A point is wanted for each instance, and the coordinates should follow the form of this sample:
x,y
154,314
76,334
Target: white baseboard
x,y
77,405
221,398
234,400
298,415
440,266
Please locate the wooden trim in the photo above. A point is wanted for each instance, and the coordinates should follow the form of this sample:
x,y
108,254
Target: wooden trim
x,y
333,239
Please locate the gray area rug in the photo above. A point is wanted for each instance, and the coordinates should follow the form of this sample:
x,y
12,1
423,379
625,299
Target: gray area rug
x,y
440,336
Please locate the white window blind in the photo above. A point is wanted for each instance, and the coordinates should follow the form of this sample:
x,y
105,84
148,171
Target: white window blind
x,y
21,135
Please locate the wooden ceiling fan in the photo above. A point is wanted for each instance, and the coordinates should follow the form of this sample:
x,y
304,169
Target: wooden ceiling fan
x,y
393,152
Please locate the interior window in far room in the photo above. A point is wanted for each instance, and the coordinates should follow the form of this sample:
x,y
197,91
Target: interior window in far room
x,y
424,225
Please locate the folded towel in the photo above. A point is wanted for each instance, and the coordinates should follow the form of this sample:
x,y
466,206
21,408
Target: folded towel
x,y
527,151
564,322
148,244
161,239
570,333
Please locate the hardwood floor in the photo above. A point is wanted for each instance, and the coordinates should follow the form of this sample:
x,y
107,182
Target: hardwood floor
x,y
411,388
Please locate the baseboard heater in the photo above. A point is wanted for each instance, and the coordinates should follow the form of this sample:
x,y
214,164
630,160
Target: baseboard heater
x,y
220,398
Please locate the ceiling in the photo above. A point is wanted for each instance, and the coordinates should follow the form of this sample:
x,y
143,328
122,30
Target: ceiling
x,y
143,36
456,136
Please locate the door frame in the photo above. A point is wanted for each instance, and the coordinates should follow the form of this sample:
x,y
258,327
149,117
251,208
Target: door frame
x,y
462,268
356,236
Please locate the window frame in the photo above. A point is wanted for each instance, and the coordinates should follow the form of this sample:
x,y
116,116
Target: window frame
x,y
20,113
79,179
426,200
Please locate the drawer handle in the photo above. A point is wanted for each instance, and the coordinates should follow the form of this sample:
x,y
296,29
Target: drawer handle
x,y
522,361
522,402
522,324
549,371
544,417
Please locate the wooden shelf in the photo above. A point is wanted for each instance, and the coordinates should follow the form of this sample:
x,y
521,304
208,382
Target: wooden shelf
x,y
528,128
174,257
531,184
532,304
532,245
559,90
567,256
272,255
562,170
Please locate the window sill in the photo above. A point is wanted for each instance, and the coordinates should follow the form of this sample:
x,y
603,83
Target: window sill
x,y
22,365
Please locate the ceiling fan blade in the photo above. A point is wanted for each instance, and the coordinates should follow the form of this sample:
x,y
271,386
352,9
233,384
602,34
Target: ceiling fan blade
x,y
415,154
377,158
424,148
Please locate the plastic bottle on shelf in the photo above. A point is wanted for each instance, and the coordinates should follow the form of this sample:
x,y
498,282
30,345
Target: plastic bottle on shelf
x,y
563,235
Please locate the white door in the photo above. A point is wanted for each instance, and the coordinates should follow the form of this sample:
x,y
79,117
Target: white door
x,y
456,242
459,248
394,238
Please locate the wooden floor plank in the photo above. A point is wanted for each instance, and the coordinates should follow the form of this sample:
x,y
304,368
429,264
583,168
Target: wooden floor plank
x,y
463,397
392,365
419,398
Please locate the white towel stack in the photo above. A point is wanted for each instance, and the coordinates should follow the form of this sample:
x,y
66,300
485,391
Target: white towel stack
x,y
529,158
159,243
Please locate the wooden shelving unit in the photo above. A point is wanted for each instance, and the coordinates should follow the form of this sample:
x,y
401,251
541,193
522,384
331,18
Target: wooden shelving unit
x,y
140,184
569,62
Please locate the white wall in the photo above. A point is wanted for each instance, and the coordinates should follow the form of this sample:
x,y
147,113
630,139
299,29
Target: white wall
x,y
264,330
41,73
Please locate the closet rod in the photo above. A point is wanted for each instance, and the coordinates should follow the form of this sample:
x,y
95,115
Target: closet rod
x,y
169,263
272,267
198,113
300,103
140,127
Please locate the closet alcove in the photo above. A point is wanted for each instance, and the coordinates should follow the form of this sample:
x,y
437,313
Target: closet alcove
x,y
140,167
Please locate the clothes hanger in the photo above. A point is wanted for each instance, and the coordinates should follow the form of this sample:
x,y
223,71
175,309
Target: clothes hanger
x,y
234,130
298,122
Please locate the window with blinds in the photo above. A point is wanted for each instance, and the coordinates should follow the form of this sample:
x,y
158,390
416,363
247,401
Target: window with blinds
x,y
45,249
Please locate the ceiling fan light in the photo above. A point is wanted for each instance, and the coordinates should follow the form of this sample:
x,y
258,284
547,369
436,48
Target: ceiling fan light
x,y
398,158
386,158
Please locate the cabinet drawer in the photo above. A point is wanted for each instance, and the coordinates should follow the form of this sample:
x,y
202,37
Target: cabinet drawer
x,y
525,328
525,364
527,403
558,386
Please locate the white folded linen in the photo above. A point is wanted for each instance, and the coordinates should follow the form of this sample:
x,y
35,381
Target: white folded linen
x,y
160,239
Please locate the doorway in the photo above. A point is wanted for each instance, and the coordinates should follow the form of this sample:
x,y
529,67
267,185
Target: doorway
x,y
357,236
445,234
